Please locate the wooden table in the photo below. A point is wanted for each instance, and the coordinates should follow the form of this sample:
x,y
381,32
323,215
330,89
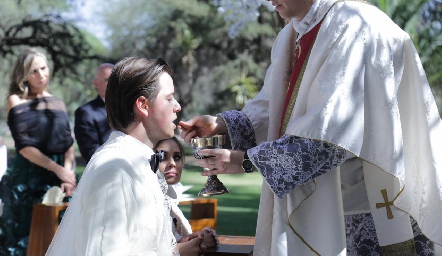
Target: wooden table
x,y
232,246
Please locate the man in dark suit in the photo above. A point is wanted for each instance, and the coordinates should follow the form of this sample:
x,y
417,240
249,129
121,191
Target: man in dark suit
x,y
91,126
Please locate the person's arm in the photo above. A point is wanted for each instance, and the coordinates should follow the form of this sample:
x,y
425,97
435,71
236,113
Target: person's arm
x,y
69,158
201,126
35,156
119,212
107,212
12,101
285,164
240,129
86,134
292,161
242,137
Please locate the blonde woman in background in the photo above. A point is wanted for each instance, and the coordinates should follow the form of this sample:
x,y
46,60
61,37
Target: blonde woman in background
x,y
44,156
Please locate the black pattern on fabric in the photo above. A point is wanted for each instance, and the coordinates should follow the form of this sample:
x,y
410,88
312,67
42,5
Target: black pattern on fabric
x,y
44,124
361,235
240,128
23,186
155,160
362,240
292,161
424,247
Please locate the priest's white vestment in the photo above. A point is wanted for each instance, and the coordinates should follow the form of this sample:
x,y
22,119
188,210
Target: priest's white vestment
x,y
363,90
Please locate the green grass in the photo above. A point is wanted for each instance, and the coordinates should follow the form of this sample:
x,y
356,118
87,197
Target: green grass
x,y
237,210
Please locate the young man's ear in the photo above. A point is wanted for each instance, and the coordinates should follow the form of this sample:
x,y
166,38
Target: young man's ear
x,y
141,106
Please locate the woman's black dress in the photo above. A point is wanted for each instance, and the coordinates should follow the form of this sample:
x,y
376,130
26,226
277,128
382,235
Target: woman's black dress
x,y
41,123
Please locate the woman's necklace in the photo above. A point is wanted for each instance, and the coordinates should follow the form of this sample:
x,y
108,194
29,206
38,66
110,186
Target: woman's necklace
x,y
299,37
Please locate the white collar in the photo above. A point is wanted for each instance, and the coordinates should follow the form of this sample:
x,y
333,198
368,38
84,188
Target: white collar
x,y
313,17
130,143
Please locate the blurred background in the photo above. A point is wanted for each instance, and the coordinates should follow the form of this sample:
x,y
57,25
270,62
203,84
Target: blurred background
x,y
219,51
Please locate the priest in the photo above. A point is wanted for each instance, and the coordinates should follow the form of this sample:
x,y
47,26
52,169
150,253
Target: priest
x,y
345,133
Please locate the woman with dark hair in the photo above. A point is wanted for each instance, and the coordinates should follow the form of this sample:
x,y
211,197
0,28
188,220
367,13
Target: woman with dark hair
x,y
44,148
172,167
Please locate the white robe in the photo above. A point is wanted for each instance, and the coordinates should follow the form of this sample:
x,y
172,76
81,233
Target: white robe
x,y
118,207
181,226
364,89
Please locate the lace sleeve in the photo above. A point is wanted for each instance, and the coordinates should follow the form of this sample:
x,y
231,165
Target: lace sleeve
x,y
292,161
240,129
167,245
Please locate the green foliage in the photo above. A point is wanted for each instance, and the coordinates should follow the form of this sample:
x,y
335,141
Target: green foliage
x,y
49,25
191,7
187,41
421,20
14,10
193,38
227,83
244,87
239,85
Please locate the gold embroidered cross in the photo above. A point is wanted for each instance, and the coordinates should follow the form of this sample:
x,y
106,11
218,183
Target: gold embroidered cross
x,y
386,204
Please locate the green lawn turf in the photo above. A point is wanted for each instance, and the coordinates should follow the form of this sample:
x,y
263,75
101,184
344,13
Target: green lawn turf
x,y
237,210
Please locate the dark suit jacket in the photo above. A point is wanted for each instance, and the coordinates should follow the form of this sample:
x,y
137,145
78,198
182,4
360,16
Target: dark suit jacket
x,y
91,127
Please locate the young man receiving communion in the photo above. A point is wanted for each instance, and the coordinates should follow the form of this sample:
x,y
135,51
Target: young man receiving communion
x,y
119,207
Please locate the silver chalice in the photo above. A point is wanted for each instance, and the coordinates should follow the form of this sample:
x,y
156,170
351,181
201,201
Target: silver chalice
x,y
213,185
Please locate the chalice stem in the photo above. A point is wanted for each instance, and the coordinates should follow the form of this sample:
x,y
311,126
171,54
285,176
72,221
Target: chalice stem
x,y
213,185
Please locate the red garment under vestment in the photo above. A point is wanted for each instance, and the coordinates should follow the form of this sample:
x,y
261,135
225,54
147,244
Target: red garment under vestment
x,y
301,53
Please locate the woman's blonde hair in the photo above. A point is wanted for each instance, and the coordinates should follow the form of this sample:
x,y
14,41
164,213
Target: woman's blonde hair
x,y
19,76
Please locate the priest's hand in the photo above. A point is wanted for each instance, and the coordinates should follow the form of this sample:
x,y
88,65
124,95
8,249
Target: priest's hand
x,y
201,126
221,161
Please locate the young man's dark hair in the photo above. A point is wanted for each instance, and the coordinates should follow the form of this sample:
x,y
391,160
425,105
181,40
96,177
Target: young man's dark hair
x,y
131,78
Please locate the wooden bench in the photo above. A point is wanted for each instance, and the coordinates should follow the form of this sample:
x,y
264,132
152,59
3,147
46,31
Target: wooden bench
x,y
203,212
44,224
46,218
